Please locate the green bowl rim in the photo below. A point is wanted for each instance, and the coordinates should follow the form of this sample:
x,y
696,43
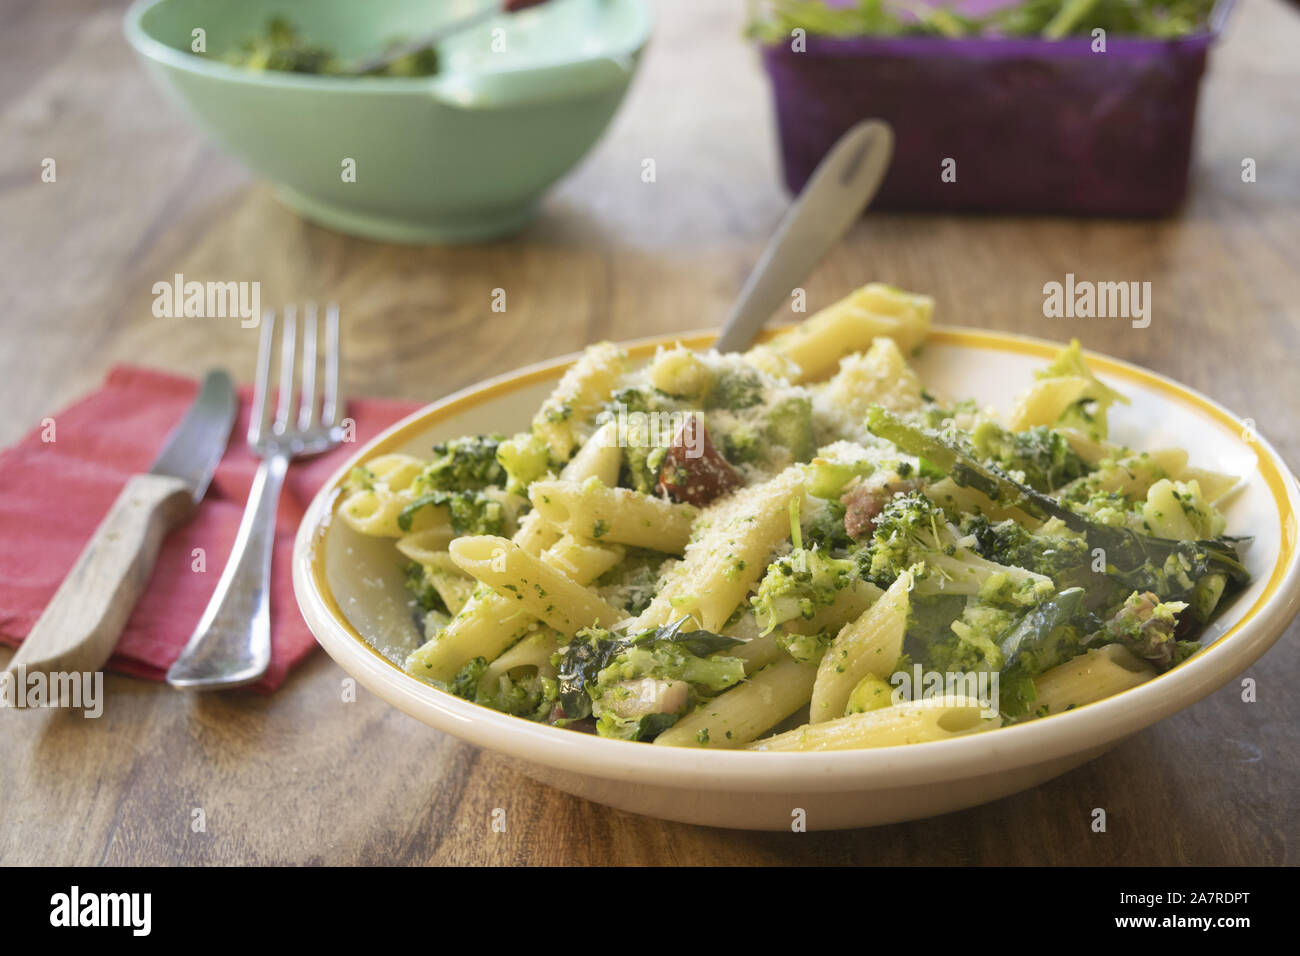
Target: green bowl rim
x,y
160,52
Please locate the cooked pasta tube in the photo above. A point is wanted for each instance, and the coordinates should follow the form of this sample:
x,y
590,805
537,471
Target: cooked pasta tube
x,y
585,387
739,715
912,722
816,345
1214,485
375,511
455,589
871,644
531,584
491,622
879,376
756,652
427,547
1097,674
618,515
729,556
599,458
848,605
535,651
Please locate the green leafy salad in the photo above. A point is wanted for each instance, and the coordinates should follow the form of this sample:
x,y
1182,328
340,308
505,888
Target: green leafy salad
x,y
281,47
774,20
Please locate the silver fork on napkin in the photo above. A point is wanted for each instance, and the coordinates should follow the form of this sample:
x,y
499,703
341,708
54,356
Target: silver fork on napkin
x,y
232,644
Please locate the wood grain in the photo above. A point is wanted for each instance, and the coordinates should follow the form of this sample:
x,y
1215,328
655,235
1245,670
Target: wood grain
x,y
302,776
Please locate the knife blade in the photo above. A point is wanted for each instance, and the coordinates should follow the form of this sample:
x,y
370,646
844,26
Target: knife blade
x,y
196,445
80,626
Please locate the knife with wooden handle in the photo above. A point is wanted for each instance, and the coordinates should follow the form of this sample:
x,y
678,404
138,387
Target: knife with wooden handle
x,y
80,626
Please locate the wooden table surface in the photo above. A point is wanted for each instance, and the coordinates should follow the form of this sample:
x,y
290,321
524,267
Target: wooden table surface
x,y
299,777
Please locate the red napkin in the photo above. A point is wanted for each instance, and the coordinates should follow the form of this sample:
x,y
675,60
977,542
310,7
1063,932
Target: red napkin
x,y
54,494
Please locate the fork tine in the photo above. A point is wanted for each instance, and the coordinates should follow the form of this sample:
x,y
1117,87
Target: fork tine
x,y
257,416
307,413
287,406
331,412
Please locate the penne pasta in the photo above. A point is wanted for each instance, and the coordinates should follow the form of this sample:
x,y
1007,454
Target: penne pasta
x,y
563,420
879,376
811,350
728,558
913,722
427,547
530,584
872,644
737,716
1092,676
534,651
618,515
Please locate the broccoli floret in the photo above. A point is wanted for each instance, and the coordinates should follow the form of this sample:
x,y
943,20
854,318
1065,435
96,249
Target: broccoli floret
x,y
934,415
463,464
956,635
531,697
667,660
643,452
1128,553
735,390
426,595
826,479
1039,457
798,585
631,399
525,458
637,686
631,584
979,629
282,48
825,529
912,530
742,445
644,689
1146,625
1052,550
1177,578
1102,506
1049,634
636,727
804,647
465,683
472,512
789,424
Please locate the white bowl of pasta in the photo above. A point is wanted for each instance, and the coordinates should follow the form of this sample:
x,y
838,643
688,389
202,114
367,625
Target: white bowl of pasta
x,y
942,607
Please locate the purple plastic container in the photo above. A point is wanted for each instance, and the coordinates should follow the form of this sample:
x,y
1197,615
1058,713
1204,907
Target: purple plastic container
x,y
1034,126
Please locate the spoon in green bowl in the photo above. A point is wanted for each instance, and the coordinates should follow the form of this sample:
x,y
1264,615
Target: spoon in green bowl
x,y
839,189
432,39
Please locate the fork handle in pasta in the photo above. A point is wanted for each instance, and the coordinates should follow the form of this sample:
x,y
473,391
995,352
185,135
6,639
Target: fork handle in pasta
x,y
232,644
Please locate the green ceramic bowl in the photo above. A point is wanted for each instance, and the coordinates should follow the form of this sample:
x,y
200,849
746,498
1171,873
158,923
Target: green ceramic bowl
x,y
460,156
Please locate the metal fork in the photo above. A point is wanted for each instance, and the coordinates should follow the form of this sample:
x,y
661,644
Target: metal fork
x,y
232,644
